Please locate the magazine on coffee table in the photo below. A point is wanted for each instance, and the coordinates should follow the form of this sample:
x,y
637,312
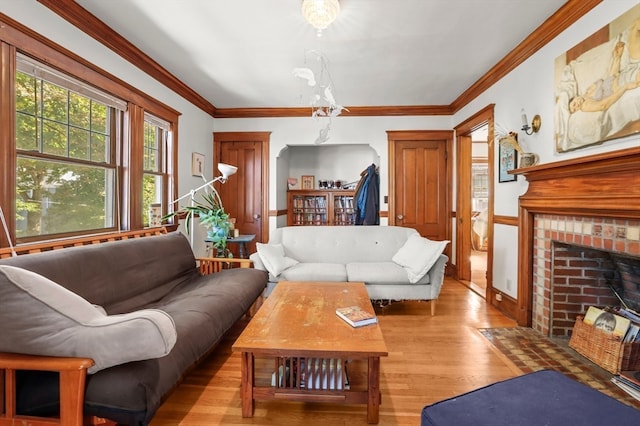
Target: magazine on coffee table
x,y
355,316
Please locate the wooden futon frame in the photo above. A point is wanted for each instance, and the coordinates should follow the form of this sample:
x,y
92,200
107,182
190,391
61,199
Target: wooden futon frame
x,y
73,371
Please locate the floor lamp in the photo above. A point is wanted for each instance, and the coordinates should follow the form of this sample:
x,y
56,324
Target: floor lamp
x,y
226,170
6,231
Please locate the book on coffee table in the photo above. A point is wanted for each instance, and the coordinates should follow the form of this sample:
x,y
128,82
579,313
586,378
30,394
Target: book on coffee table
x,y
355,316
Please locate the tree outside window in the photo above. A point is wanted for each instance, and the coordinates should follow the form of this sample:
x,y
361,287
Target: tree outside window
x,y
155,170
65,174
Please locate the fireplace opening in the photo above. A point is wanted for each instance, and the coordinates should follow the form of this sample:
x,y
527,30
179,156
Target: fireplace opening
x,y
583,277
576,263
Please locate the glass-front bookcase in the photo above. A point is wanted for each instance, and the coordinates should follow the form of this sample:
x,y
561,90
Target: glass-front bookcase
x,y
321,208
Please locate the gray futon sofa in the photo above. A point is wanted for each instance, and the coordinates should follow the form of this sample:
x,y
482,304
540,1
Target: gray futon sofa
x,y
140,308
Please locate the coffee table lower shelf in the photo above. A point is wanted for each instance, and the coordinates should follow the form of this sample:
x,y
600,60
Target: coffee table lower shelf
x,y
311,380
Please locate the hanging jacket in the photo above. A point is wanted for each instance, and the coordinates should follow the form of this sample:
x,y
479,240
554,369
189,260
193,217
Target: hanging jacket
x,y
367,197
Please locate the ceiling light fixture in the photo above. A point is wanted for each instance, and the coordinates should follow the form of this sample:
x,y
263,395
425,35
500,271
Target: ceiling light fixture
x,y
322,101
320,13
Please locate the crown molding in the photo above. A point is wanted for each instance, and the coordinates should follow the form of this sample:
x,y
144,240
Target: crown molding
x,y
85,21
562,19
88,23
358,111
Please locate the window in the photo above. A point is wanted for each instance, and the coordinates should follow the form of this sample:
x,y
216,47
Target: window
x,y
65,153
480,185
83,152
154,199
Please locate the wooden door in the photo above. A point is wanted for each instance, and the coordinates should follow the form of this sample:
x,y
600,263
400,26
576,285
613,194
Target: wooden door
x,y
245,195
419,181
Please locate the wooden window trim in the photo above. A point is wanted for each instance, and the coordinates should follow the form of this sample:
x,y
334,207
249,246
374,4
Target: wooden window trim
x,y
14,37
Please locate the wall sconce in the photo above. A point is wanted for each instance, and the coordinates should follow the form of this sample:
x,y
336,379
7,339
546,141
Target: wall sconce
x,y
535,123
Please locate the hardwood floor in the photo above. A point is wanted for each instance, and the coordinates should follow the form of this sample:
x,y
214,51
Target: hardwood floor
x,y
430,359
479,269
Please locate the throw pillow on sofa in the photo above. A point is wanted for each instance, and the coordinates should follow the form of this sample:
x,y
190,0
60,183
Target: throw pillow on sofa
x,y
274,259
418,255
40,317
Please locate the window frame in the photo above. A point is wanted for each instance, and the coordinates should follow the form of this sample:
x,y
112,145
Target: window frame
x,y
116,109
16,38
163,142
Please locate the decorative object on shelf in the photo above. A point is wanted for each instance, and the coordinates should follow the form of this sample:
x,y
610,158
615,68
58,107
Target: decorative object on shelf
x,y
308,182
535,124
210,210
155,215
528,159
197,164
322,100
329,184
292,183
510,140
320,13
507,157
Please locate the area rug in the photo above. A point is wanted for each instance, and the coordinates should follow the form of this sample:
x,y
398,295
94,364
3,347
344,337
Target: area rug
x,y
530,351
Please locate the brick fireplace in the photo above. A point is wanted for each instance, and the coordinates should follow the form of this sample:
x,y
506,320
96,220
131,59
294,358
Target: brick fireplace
x,y
573,217
573,267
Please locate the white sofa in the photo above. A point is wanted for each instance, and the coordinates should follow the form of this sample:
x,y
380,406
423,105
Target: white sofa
x,y
386,258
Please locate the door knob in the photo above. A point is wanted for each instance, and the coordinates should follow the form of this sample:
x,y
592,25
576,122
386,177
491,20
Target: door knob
x,y
256,216
400,217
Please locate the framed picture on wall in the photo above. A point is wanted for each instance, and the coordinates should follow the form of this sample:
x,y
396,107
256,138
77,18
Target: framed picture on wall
x,y
308,182
507,160
596,86
197,164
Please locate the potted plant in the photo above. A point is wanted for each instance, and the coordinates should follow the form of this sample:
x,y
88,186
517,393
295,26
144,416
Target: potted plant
x,y
212,216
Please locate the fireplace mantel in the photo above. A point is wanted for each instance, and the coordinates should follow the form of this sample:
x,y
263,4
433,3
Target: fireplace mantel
x,y
603,185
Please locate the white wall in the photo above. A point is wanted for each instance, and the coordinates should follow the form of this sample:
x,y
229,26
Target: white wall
x,y
531,87
302,131
331,162
195,126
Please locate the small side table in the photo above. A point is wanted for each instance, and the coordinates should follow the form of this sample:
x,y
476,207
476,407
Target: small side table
x,y
242,241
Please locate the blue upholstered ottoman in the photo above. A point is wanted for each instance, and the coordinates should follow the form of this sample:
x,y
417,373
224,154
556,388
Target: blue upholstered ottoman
x,y
542,398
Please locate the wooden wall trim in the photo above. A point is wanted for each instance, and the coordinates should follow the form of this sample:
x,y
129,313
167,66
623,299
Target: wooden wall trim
x,y
276,213
508,305
7,144
505,220
95,28
81,18
606,184
36,46
600,185
135,175
284,212
464,161
357,111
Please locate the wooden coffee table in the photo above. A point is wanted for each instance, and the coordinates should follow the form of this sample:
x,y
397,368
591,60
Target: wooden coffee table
x,y
297,326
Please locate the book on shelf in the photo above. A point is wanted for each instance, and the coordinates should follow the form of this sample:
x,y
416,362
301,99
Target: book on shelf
x,y
355,316
311,373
